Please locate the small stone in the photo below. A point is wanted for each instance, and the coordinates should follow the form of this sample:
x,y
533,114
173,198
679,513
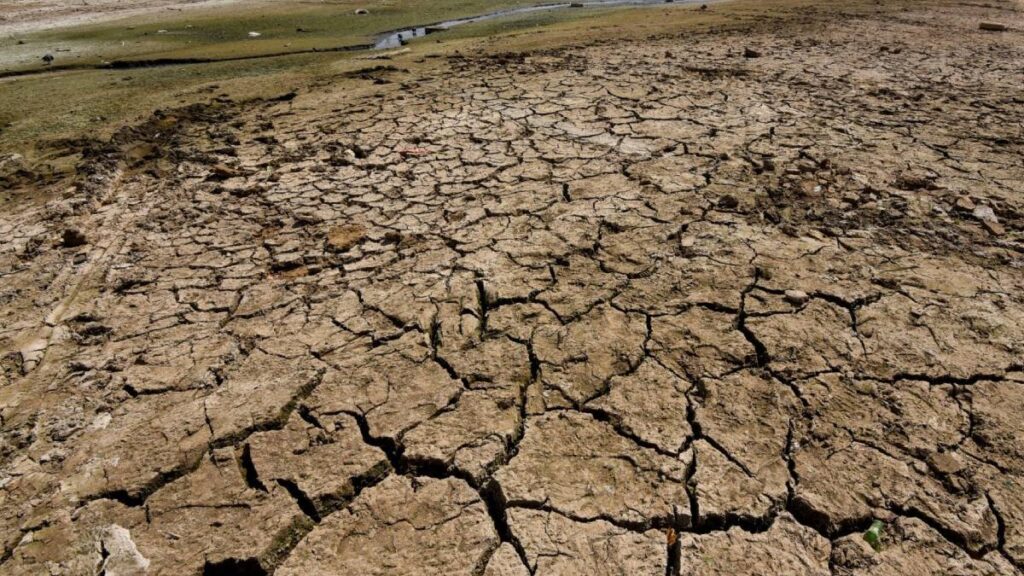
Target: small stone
x,y
945,463
985,214
992,27
797,297
72,238
914,179
988,219
728,202
223,172
994,228
751,53
965,203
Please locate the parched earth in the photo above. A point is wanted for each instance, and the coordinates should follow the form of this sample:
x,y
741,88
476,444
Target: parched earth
x,y
639,307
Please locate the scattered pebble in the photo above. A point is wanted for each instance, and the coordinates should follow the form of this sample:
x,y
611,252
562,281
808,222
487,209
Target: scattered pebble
x,y
797,297
992,27
988,219
73,238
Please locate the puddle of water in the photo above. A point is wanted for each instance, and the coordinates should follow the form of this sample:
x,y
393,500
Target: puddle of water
x,y
397,38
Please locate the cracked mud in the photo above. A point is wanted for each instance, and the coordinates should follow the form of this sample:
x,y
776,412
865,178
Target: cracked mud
x,y
638,307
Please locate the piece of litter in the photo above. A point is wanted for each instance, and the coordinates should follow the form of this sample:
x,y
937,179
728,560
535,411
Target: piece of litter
x,y
254,34
873,536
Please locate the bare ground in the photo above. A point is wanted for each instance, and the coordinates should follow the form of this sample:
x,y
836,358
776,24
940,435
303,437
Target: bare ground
x,y
25,16
635,307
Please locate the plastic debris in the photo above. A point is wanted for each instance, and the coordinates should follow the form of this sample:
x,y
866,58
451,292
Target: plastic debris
x,y
873,536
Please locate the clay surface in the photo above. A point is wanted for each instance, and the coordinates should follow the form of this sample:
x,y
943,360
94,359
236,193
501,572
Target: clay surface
x,y
640,307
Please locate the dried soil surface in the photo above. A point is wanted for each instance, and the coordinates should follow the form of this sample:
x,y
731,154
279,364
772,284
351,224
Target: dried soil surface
x,y
638,307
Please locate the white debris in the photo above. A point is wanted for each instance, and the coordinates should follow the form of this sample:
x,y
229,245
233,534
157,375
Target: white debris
x,y
101,421
123,557
985,214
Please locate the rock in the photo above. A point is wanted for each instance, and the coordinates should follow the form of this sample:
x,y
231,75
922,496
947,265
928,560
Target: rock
x,y
992,27
797,297
965,203
11,164
945,463
73,238
223,172
985,214
122,555
751,53
914,179
994,228
728,202
988,219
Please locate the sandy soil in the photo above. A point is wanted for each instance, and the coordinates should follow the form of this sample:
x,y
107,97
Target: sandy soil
x,y
38,15
707,303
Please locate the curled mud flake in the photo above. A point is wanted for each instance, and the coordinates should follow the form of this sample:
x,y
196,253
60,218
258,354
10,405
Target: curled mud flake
x,y
959,339
649,405
556,544
911,547
581,467
578,360
393,387
474,437
401,526
785,547
840,490
296,455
